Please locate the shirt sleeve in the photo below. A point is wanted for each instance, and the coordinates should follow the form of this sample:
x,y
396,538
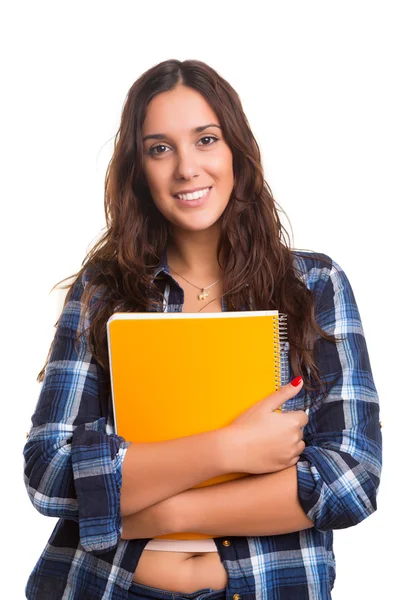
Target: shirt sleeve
x,y
72,466
339,470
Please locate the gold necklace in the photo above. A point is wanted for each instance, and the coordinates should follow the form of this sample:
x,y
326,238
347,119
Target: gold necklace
x,y
203,294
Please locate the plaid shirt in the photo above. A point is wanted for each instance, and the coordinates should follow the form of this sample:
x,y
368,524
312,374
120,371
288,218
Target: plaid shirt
x,y
73,462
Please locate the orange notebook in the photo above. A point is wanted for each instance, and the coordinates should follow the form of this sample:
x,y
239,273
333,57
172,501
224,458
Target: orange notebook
x,y
179,374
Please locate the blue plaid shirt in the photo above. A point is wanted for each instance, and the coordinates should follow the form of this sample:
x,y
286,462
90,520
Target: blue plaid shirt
x,y
73,462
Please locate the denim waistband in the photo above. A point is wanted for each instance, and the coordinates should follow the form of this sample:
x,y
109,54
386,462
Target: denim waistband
x,y
139,591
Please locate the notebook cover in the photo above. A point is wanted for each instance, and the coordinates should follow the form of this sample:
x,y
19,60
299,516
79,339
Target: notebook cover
x,y
179,374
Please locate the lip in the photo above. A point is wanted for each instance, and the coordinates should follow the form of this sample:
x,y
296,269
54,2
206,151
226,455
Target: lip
x,y
203,187
194,203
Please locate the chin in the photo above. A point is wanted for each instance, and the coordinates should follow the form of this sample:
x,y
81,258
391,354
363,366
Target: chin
x,y
196,226
196,222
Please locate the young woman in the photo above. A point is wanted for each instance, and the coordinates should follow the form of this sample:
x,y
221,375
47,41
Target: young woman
x,y
192,226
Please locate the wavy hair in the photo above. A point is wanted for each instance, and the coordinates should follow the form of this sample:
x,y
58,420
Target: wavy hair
x,y
253,251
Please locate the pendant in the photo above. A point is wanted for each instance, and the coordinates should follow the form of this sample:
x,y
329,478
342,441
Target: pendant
x,y
203,294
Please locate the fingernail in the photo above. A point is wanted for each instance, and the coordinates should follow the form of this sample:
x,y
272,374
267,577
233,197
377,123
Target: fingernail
x,y
296,381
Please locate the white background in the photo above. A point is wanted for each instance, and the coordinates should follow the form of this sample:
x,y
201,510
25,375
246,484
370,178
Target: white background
x,y
319,84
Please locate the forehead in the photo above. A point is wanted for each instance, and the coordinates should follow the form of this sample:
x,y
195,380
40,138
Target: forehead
x,y
177,111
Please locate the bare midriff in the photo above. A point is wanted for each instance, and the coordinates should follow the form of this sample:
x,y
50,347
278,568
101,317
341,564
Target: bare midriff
x,y
181,571
184,571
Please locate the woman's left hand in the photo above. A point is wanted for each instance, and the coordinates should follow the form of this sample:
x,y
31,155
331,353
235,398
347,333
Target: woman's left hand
x,y
149,522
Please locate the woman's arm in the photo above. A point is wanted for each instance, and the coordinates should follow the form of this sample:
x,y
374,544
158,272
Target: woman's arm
x,y
72,467
254,505
339,470
251,506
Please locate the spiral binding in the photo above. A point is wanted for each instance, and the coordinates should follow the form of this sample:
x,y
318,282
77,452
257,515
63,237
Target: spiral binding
x,y
283,334
280,348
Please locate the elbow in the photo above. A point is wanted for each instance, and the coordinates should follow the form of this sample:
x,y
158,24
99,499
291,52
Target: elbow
x,y
361,500
52,506
48,480
341,503
342,513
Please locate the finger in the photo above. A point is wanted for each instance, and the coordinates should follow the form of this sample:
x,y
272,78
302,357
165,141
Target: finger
x,y
298,449
300,446
284,393
300,416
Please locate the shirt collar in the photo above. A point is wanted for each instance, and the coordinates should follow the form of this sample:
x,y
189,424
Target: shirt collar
x,y
163,264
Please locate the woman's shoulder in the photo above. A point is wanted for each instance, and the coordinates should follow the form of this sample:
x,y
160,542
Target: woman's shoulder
x,y
87,275
308,259
315,269
72,314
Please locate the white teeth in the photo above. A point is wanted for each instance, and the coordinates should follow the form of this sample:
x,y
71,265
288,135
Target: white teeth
x,y
194,196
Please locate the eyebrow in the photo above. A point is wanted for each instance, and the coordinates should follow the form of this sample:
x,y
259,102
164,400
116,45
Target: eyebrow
x,y
160,136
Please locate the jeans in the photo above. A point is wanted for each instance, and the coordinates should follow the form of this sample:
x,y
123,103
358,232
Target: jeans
x,y
137,591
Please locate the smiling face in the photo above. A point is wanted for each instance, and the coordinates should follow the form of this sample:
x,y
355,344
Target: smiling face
x,y
184,149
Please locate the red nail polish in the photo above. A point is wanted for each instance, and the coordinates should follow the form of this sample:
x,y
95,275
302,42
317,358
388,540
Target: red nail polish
x,y
296,381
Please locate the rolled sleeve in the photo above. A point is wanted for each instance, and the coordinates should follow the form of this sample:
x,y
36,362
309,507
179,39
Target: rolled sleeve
x,y
72,466
339,470
96,465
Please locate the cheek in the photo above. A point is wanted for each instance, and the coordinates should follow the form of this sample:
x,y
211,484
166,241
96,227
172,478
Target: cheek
x,y
157,181
224,165
226,178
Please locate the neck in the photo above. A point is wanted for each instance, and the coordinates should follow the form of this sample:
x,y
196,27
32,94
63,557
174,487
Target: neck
x,y
194,254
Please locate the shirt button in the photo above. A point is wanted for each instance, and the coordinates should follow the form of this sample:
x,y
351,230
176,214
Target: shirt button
x,y
227,543
236,596
380,424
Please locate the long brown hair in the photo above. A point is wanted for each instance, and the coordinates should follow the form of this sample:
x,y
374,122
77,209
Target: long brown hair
x,y
253,249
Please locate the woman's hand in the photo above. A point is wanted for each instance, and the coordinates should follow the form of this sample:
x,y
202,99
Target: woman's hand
x,y
263,441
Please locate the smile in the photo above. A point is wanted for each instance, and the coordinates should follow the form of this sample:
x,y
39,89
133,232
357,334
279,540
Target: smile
x,y
193,195
195,199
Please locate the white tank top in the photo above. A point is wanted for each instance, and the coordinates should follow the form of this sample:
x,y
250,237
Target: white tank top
x,y
168,545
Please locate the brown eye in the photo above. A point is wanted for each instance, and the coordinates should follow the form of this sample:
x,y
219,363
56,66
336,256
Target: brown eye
x,y
152,150
209,137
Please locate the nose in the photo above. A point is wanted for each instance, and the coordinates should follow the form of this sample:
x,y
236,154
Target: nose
x,y
186,165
